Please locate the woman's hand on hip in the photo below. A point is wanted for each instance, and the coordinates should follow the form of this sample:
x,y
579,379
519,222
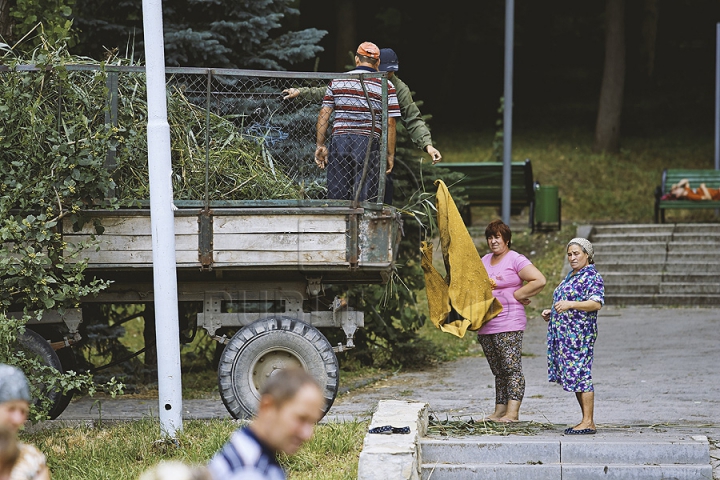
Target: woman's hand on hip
x,y
563,306
522,300
546,314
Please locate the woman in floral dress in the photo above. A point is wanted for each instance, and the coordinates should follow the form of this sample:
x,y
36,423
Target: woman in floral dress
x,y
572,330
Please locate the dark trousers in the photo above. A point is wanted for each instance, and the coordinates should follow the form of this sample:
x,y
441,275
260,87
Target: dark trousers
x,y
345,168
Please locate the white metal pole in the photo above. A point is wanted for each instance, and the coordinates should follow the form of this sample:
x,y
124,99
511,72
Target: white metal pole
x,y
507,111
717,97
163,225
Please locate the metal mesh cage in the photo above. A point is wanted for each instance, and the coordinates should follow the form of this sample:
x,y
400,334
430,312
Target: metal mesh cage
x,y
236,135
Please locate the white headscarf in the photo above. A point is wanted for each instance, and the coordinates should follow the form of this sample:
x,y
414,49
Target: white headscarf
x,y
585,244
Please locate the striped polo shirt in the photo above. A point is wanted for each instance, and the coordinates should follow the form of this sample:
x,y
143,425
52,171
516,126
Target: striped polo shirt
x,y
244,457
347,98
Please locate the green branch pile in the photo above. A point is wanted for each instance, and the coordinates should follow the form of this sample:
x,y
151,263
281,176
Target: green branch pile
x,y
459,427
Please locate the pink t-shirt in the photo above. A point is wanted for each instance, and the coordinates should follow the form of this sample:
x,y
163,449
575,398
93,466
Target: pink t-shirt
x,y
506,275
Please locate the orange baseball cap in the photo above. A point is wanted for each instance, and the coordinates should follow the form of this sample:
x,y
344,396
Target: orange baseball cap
x,y
369,49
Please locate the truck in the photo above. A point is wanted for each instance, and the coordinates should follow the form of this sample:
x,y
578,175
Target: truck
x,y
258,266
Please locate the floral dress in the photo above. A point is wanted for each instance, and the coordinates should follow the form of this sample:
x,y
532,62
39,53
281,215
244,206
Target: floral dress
x,y
571,334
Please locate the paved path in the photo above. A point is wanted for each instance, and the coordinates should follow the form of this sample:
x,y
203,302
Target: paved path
x,y
653,366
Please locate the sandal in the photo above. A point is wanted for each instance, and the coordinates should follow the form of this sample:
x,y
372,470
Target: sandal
x,y
584,431
388,429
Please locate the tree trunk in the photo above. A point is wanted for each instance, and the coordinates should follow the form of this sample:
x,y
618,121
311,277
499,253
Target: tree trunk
x,y
649,36
346,42
5,23
607,128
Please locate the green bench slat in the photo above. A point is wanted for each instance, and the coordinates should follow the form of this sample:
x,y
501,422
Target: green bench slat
x,y
482,183
671,176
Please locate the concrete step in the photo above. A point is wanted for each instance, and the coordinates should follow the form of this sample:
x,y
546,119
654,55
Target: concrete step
x,y
619,267
493,449
618,247
636,472
696,228
636,289
630,278
638,257
631,237
690,277
488,471
687,300
703,267
694,237
476,471
711,248
633,228
677,256
566,457
689,288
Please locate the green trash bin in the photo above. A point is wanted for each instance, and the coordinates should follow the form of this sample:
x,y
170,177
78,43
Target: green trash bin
x,y
547,207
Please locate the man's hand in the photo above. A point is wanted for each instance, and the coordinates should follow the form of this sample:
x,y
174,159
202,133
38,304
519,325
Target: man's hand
x,y
390,162
321,156
434,153
290,93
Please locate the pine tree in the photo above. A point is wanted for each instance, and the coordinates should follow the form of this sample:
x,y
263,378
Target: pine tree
x,y
248,34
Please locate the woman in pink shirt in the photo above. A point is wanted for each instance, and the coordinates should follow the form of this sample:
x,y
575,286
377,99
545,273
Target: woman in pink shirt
x,y
516,280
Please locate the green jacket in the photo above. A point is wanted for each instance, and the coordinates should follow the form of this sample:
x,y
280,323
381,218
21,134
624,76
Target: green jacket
x,y
411,116
409,112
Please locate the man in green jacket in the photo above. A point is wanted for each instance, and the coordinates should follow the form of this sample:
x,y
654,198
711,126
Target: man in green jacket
x,y
409,111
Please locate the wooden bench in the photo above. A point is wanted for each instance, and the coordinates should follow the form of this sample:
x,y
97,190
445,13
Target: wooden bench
x,y
482,183
672,176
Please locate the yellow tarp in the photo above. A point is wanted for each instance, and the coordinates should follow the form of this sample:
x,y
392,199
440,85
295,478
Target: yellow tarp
x,y
466,289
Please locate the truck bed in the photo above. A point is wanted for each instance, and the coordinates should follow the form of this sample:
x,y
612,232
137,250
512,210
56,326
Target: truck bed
x,y
338,244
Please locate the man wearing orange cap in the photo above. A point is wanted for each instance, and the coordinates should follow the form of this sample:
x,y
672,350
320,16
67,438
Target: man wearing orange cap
x,y
353,127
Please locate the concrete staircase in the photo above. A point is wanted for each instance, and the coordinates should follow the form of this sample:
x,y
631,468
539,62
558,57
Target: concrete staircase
x,y
554,457
668,264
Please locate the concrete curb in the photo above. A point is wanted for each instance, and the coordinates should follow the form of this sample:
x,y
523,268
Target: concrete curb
x,y
394,456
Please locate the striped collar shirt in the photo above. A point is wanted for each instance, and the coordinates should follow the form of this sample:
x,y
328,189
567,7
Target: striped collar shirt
x,y
352,114
244,457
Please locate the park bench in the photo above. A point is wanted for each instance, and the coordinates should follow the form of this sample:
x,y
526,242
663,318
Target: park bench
x,y
670,177
482,183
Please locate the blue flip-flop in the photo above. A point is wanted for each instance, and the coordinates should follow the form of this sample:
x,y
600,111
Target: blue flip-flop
x,y
584,431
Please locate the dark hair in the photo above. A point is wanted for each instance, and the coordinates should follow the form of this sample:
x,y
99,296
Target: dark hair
x,y
498,226
283,385
366,59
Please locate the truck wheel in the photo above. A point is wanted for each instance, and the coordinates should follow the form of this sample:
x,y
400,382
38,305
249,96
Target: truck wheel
x,y
255,352
35,346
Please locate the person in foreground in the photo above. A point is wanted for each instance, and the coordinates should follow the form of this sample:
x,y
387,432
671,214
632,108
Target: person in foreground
x,y
14,408
516,280
572,330
291,403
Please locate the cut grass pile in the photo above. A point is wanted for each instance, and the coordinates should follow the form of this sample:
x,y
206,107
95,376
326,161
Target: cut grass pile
x,y
122,451
459,427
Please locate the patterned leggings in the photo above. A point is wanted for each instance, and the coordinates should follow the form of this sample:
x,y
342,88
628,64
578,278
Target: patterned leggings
x,y
503,352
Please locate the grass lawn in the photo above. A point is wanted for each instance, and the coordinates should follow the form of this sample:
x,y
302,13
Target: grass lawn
x,y
596,187
123,451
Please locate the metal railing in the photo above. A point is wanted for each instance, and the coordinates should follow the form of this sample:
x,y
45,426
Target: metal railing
x,y
236,138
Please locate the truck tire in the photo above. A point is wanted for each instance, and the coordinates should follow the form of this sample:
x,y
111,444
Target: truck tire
x,y
267,345
35,346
